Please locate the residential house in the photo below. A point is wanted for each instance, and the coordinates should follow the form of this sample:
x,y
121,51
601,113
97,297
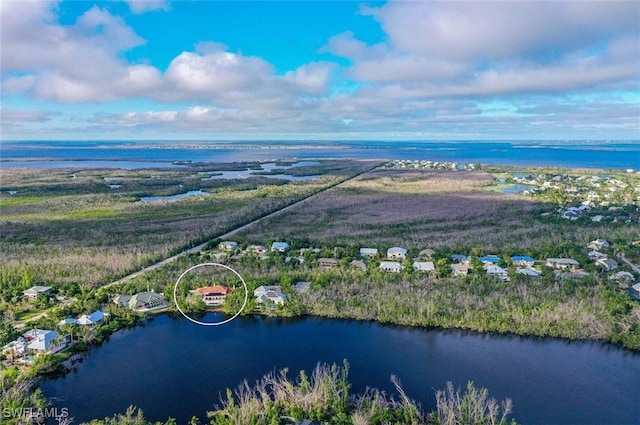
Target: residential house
x,y
562,263
327,263
280,247
597,218
142,301
397,253
391,266
426,253
93,319
459,258
623,276
598,244
213,295
636,289
301,287
270,294
358,264
258,249
607,263
424,266
460,269
523,260
368,252
528,271
497,272
596,255
488,260
228,245
35,341
67,321
34,291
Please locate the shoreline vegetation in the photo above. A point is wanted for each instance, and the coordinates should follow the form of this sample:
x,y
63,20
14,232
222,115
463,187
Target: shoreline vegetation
x,y
73,232
323,396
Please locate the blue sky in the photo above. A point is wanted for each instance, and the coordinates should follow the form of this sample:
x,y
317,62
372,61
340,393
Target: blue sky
x,y
409,70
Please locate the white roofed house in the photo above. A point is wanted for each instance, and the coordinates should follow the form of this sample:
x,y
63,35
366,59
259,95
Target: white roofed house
x,y
34,291
460,269
563,263
280,247
368,252
598,244
397,253
391,266
607,263
596,255
424,266
497,272
529,271
228,245
270,294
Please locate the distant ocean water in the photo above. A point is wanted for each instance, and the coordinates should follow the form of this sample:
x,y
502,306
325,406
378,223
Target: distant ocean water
x,y
146,154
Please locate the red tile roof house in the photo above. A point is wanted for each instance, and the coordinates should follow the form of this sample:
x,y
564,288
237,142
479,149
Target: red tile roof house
x,y
213,295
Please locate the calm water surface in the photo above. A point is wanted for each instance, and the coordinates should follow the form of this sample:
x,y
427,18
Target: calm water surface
x,y
173,368
116,154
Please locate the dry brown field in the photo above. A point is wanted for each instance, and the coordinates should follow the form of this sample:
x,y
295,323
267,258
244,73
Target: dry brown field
x,y
419,209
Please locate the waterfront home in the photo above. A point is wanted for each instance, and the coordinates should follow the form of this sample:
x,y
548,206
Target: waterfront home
x,y
258,249
280,247
459,258
607,263
358,264
327,263
426,253
93,319
460,269
497,272
368,252
228,246
528,271
142,301
598,244
35,341
424,266
391,266
523,260
562,263
34,291
213,295
270,294
397,253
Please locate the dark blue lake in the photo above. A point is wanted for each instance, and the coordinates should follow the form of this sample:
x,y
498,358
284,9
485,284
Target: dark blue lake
x,y
174,368
117,154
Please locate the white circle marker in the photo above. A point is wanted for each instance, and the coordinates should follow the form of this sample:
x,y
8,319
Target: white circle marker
x,y
244,304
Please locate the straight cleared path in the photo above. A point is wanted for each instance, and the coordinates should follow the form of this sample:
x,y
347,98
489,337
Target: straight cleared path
x,y
234,231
